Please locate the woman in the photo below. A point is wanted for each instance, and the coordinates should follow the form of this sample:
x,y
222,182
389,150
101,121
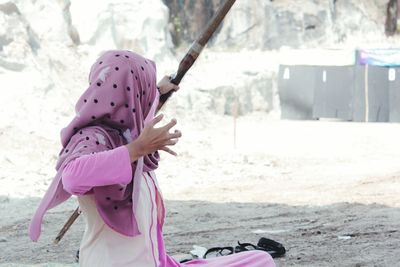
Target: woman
x,y
108,160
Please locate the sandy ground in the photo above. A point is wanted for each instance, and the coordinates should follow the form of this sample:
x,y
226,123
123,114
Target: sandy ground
x,y
329,191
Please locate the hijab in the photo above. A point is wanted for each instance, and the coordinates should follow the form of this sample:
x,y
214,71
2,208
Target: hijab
x,y
121,98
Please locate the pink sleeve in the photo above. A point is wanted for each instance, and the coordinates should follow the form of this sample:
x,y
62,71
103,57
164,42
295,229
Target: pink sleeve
x,y
99,169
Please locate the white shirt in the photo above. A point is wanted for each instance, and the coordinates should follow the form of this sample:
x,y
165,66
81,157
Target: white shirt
x,y
102,246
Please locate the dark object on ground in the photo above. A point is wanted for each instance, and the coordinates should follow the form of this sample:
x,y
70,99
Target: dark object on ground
x,y
275,249
218,251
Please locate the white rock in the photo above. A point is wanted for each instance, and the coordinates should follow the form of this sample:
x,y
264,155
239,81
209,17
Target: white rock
x,y
140,26
47,19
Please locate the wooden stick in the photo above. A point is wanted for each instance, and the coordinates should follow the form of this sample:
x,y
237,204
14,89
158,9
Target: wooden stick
x,y
67,225
195,50
185,64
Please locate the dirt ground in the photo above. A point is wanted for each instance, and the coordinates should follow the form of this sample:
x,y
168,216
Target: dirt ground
x,y
329,191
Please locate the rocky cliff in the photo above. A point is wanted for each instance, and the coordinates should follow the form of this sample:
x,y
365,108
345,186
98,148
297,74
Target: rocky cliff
x,y
260,24
46,48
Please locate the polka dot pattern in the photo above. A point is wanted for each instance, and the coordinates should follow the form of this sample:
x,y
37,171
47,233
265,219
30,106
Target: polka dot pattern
x,y
121,95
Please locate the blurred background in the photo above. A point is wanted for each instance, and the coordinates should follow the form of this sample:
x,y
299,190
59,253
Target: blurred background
x,y
279,117
50,46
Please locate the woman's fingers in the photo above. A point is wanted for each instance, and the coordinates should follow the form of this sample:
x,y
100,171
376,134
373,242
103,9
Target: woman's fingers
x,y
165,85
176,134
169,125
171,142
174,87
159,138
168,150
157,119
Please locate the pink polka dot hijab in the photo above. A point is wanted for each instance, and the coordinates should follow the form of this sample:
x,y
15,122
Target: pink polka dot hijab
x,y
121,98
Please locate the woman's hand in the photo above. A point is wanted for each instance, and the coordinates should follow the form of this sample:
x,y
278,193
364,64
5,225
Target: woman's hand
x,y
152,139
165,85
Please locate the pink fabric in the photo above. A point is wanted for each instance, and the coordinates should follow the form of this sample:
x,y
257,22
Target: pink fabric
x,y
120,99
106,168
243,259
87,172
255,258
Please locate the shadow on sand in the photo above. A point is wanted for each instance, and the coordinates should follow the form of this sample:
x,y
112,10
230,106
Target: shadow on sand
x,y
343,234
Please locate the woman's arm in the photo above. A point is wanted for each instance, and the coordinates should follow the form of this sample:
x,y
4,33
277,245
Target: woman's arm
x,y
114,166
100,169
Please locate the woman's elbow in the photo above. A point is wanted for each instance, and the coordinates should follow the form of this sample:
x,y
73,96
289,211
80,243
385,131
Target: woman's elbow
x,y
69,185
70,182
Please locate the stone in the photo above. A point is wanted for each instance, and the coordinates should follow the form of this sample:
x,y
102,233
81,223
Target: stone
x,y
140,26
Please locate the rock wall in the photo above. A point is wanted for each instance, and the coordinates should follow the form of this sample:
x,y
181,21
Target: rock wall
x,y
188,18
140,26
221,82
265,25
47,47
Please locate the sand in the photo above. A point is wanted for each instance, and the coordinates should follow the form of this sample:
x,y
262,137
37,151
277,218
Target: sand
x,y
329,191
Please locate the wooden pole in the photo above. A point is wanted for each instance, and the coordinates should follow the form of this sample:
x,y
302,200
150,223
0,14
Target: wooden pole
x,y
67,225
195,50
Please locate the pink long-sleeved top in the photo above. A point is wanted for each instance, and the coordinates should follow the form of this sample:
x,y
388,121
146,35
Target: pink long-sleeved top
x,y
99,169
102,246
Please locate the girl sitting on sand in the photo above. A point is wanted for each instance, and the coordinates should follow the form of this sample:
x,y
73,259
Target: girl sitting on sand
x,y
108,159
